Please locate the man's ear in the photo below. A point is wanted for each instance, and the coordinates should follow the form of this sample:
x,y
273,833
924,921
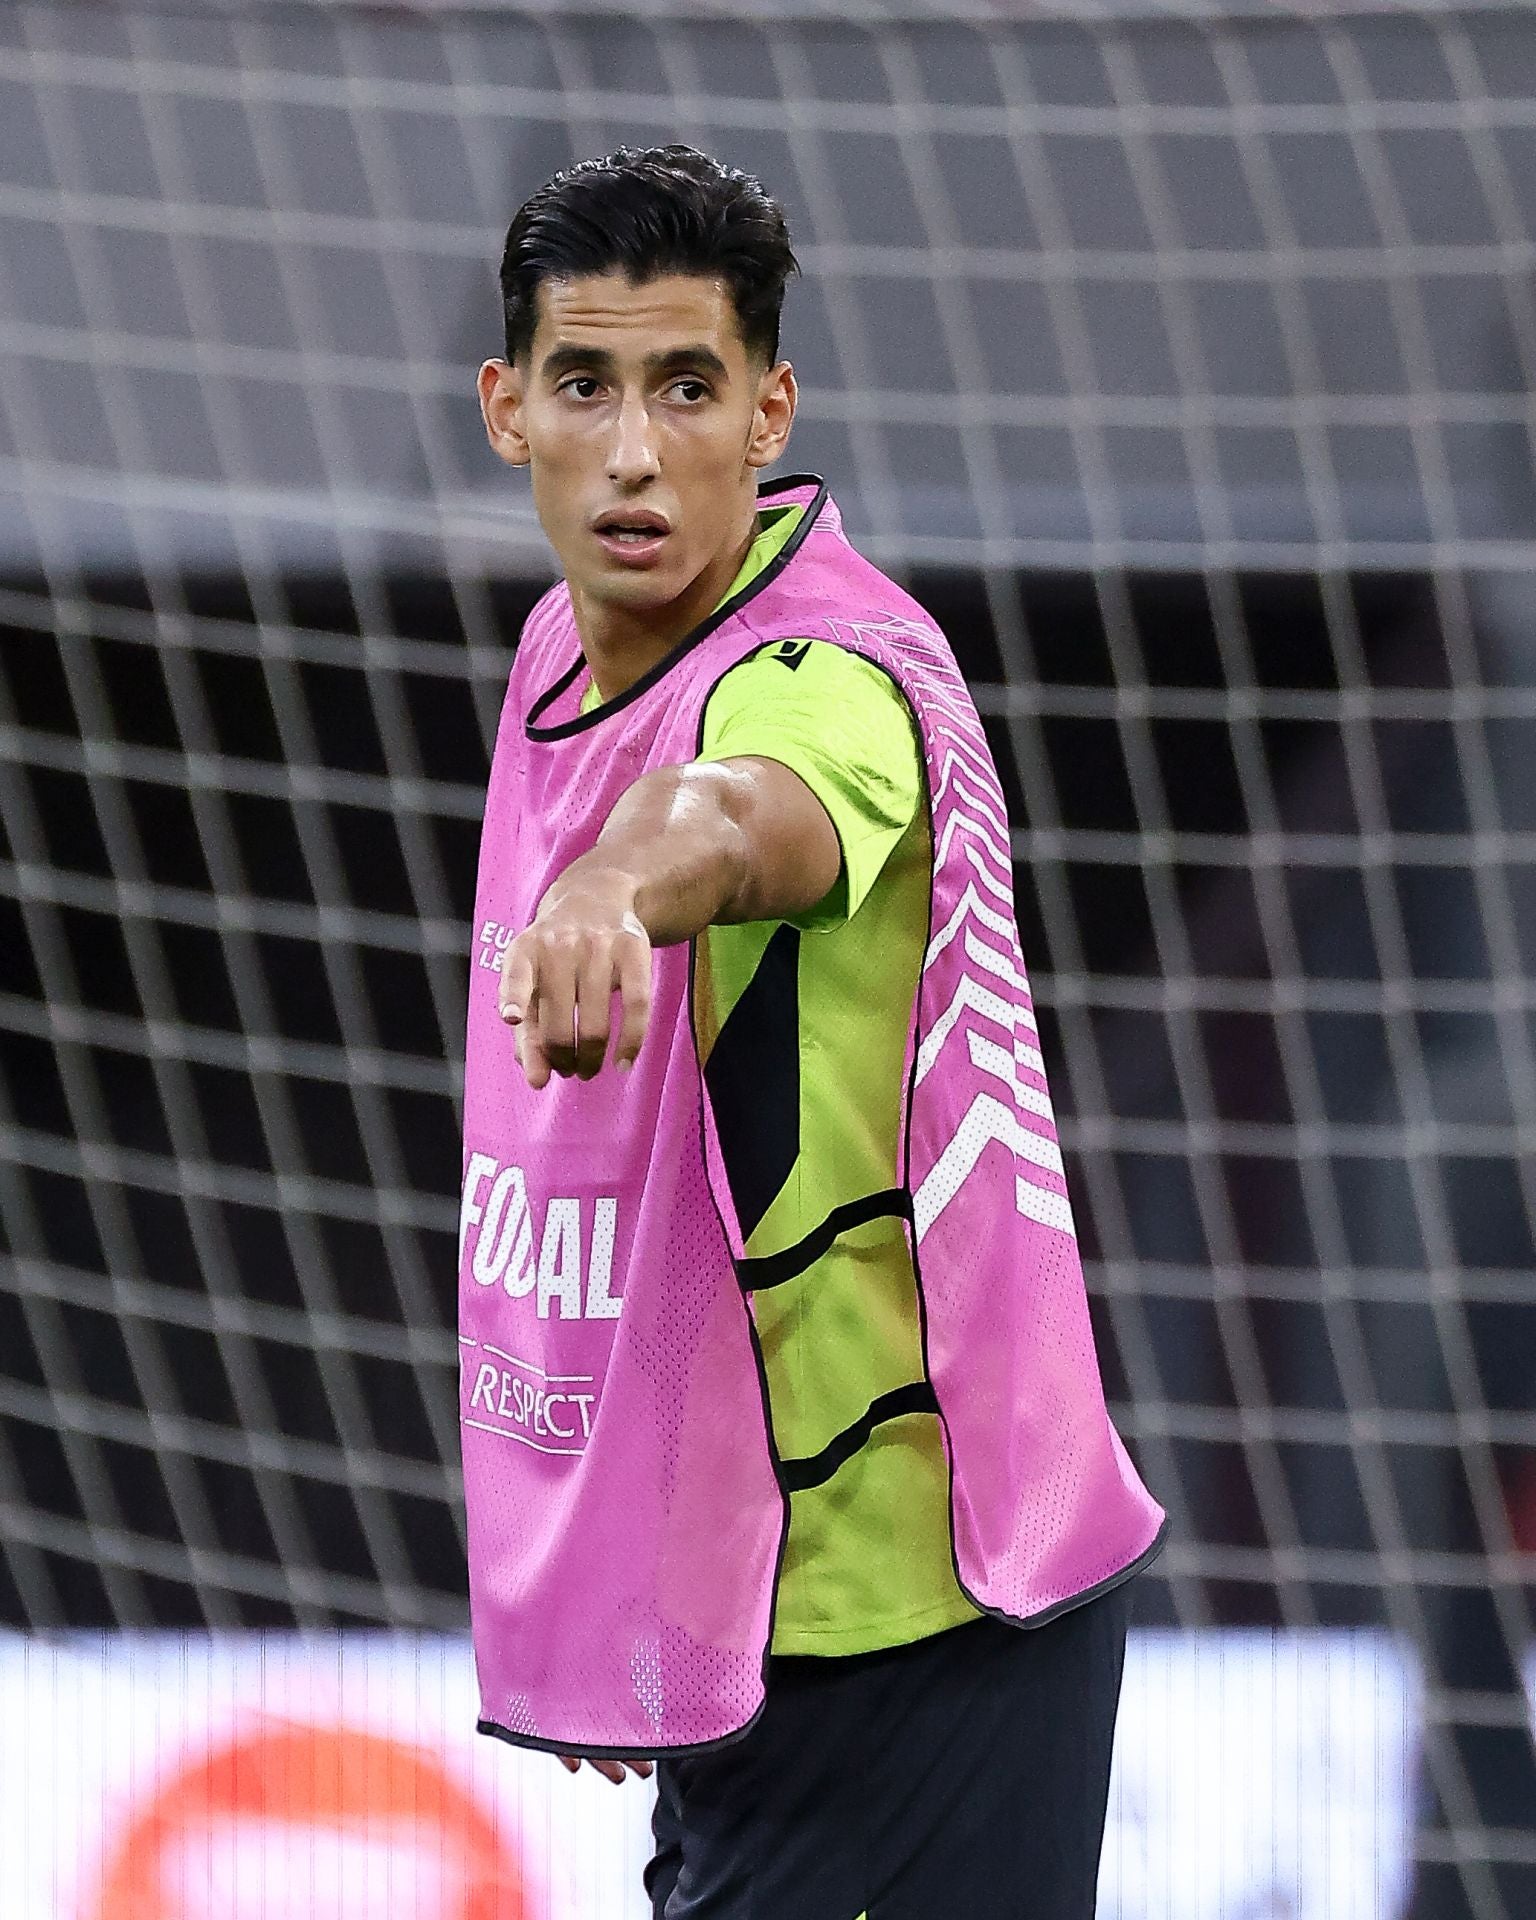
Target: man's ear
x,y
777,398
500,386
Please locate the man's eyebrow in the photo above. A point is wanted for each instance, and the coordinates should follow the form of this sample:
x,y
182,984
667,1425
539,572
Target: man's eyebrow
x,y
565,355
703,359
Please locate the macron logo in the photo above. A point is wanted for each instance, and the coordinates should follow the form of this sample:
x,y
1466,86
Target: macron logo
x,y
790,653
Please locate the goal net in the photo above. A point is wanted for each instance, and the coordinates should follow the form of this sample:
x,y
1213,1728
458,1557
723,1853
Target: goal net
x,y
1180,360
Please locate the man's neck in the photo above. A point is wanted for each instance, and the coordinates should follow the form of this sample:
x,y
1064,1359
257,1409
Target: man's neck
x,y
623,645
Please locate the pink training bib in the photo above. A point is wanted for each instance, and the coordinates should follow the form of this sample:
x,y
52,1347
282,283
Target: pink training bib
x,y
626,1511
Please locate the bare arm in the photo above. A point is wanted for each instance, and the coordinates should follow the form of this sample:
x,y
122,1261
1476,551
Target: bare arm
x,y
685,848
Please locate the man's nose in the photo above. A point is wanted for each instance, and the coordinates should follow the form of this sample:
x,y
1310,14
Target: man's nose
x,y
632,455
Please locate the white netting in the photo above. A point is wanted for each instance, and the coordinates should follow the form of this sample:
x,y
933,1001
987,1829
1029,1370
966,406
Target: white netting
x,y
1182,366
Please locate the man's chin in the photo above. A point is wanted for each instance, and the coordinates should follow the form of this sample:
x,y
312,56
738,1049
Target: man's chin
x,y
633,592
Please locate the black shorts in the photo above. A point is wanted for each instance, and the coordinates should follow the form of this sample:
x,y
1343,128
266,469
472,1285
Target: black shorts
x,y
963,1777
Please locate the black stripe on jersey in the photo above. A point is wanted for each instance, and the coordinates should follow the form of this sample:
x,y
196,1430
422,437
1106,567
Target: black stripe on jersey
x,y
772,1269
752,1077
796,1475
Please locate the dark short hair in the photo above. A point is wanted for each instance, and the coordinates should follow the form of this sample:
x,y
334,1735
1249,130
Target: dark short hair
x,y
644,213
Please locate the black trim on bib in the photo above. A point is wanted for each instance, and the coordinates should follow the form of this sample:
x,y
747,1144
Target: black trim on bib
x,y
792,482
539,1743
758,1271
752,1077
917,1397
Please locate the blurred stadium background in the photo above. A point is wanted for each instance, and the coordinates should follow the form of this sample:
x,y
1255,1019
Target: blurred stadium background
x,y
1180,359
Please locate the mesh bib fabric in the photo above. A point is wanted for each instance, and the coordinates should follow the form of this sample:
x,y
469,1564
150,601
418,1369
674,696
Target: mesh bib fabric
x,y
626,1513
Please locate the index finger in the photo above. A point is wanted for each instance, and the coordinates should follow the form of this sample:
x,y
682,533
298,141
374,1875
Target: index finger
x,y
633,979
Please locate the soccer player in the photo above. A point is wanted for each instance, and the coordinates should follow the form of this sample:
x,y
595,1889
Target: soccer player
x,y
786,1458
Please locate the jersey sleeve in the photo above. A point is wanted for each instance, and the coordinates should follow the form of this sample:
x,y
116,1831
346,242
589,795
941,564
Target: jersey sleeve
x,y
842,725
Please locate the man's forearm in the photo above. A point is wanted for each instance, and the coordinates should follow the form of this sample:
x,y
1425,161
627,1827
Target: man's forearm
x,y
708,843
685,848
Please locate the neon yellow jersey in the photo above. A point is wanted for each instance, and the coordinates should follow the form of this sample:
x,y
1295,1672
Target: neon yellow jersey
x,y
868,1561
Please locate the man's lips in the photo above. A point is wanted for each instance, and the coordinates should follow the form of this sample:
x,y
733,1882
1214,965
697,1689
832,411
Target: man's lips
x,y
634,539
632,520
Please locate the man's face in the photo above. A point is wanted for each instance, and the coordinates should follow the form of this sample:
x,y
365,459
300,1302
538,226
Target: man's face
x,y
643,421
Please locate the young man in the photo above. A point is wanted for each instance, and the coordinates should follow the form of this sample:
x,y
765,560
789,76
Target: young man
x,y
781,1414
